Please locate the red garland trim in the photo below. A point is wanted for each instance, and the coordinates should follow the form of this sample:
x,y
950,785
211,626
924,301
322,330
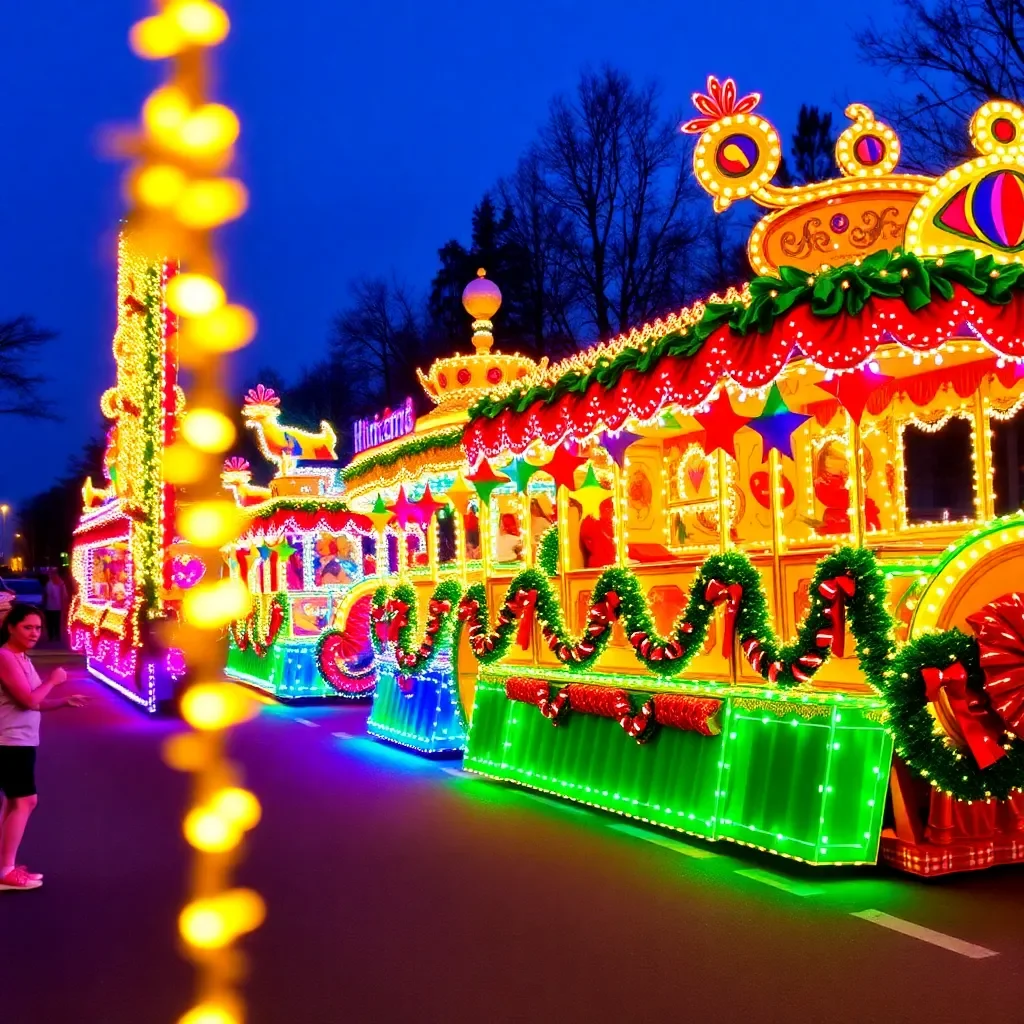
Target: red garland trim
x,y
673,710
840,343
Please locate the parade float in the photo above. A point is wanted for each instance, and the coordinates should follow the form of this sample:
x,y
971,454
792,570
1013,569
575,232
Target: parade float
x,y
410,476
129,567
304,557
831,454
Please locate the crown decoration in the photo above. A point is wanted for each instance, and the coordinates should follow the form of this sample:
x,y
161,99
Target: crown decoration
x,y
979,205
457,381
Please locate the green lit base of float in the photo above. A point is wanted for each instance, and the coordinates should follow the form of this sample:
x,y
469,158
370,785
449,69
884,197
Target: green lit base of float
x,y
421,713
798,773
288,671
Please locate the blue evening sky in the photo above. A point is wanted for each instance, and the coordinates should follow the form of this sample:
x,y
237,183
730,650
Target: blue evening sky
x,y
369,131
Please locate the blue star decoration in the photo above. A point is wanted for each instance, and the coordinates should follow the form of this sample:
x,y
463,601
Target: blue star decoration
x,y
776,425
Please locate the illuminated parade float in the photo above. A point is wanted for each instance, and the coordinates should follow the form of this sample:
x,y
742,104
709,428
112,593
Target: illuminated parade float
x,y
304,557
129,568
831,453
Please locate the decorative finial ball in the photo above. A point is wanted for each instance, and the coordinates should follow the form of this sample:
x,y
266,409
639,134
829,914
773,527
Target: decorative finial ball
x,y
482,298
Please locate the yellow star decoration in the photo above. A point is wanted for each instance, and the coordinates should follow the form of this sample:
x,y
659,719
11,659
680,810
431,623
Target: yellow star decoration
x,y
591,495
380,515
460,493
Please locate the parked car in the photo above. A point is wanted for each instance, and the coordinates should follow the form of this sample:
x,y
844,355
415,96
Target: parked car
x,y
24,588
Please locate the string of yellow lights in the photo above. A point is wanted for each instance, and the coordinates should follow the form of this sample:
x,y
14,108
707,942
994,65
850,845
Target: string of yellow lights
x,y
179,193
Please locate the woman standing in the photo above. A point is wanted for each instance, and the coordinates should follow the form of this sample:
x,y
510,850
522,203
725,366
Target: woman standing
x,y
23,695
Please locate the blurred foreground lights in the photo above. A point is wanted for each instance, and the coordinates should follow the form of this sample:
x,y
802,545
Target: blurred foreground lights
x,y
165,111
208,430
217,921
210,706
182,464
225,330
200,22
210,523
211,202
238,806
207,131
210,605
159,185
155,38
194,295
210,832
209,1013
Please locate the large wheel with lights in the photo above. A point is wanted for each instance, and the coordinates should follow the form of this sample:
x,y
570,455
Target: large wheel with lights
x,y
345,654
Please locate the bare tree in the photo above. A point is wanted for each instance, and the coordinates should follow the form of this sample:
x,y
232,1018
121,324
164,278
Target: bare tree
x,y
812,150
615,169
536,233
377,337
20,340
955,54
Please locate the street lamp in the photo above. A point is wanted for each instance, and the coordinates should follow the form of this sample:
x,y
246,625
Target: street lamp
x,y
4,509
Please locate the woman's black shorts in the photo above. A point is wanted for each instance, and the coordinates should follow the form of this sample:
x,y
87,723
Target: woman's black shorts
x,y
17,771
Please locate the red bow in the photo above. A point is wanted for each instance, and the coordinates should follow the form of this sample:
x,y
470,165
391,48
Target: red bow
x,y
524,607
715,593
836,591
468,609
999,627
405,684
963,714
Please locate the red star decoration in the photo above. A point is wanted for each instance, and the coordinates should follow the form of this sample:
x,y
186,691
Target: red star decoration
x,y
428,505
720,425
404,510
562,468
852,390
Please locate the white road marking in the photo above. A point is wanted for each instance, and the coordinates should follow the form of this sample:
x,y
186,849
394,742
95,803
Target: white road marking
x,y
343,735
306,721
917,931
789,885
669,844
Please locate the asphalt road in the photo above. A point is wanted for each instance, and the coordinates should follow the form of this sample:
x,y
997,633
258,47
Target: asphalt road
x,y
402,890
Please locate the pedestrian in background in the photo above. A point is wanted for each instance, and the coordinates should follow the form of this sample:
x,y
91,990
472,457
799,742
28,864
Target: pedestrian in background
x,y
23,695
55,602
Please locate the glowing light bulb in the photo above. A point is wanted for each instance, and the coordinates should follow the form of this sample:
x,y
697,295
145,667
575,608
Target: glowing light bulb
x,y
210,831
199,21
208,430
194,295
238,806
209,1013
210,523
210,202
155,38
216,604
208,130
210,706
225,330
159,185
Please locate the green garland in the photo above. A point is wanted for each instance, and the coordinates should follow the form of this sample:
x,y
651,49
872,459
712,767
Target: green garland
x,y
547,551
775,661
415,656
919,739
253,632
443,441
884,275
272,506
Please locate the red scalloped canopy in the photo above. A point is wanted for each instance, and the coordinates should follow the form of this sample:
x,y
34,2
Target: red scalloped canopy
x,y
842,342
315,521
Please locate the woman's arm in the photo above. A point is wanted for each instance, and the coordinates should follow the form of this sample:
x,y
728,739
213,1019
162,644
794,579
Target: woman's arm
x,y
13,681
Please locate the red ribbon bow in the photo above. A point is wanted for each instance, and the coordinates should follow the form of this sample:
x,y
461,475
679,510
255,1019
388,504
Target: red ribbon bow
x,y
836,591
468,609
524,607
999,627
715,593
968,720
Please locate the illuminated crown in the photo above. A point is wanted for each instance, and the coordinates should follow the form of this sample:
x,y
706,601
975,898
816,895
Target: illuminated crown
x,y
979,205
459,380
235,470
260,401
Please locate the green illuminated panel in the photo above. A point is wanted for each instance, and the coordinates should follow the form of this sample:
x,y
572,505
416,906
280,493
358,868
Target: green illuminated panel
x,y
288,671
802,779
